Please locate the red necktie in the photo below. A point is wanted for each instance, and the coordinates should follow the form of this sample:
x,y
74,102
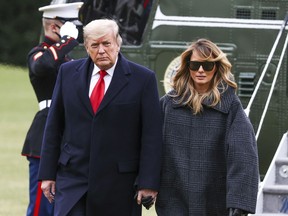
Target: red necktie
x,y
98,91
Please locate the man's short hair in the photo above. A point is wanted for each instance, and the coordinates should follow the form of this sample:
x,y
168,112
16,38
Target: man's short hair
x,y
100,27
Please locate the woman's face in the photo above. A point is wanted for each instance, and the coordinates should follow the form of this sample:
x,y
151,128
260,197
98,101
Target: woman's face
x,y
201,72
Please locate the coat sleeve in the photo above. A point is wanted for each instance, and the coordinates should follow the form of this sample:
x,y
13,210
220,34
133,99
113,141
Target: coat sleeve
x,y
53,135
151,140
242,161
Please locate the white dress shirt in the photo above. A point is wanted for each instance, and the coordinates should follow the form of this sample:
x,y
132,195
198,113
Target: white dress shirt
x,y
95,77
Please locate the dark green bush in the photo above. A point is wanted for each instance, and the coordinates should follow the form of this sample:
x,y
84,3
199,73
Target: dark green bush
x,y
20,29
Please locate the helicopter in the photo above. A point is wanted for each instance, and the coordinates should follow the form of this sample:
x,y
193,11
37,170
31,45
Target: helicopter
x,y
250,32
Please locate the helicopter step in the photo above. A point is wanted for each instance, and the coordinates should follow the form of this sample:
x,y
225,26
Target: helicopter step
x,y
273,192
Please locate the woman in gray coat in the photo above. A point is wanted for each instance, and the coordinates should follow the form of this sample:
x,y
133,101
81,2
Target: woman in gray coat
x,y
210,161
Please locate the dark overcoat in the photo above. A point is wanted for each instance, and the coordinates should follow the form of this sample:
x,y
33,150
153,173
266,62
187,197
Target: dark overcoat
x,y
210,160
103,154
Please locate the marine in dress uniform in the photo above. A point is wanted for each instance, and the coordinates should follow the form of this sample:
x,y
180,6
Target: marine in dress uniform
x,y
44,61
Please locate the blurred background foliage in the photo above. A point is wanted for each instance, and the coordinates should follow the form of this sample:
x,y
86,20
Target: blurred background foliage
x,y
20,29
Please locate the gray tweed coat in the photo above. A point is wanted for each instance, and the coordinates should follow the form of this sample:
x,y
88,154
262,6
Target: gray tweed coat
x,y
210,160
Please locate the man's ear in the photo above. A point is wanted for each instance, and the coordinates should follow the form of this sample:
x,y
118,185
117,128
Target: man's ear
x,y
53,27
87,51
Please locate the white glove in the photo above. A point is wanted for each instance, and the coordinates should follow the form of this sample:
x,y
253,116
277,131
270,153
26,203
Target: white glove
x,y
69,29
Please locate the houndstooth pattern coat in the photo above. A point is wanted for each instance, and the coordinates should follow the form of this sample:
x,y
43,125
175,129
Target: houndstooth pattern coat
x,y
210,160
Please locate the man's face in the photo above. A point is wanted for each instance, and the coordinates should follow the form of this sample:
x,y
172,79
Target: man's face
x,y
103,51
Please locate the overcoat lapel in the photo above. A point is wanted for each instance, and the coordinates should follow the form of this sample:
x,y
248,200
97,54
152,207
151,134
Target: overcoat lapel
x,y
82,81
119,80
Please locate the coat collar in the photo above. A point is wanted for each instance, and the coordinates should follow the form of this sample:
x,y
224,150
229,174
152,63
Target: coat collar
x,y
227,97
119,80
48,41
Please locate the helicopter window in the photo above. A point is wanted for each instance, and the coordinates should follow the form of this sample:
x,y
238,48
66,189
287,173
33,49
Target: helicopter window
x,y
268,14
58,1
131,15
243,13
246,84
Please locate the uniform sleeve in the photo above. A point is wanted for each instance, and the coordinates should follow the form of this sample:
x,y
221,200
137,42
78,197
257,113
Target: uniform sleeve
x,y
44,60
242,161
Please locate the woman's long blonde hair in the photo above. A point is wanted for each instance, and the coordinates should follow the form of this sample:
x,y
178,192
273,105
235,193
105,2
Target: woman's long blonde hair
x,y
184,85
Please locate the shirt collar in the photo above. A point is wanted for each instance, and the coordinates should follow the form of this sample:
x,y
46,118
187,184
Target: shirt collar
x,y
110,71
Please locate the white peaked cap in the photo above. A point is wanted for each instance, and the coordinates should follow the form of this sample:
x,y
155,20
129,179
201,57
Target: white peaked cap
x,y
61,11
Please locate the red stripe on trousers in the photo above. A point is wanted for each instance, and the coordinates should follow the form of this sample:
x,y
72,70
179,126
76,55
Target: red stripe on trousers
x,y
38,200
145,3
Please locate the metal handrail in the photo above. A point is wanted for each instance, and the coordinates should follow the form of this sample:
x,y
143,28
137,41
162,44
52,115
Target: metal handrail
x,y
247,109
272,87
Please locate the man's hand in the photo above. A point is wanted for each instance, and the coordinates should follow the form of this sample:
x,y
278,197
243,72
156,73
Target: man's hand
x,y
146,197
69,29
48,188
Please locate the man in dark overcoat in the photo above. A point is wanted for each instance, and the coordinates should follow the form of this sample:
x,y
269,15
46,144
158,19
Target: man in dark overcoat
x,y
94,162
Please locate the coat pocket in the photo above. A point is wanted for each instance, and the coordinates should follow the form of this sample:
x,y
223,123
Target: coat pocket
x,y
64,156
128,166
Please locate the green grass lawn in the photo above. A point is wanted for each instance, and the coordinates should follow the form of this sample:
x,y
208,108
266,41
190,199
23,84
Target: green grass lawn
x,y
17,108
